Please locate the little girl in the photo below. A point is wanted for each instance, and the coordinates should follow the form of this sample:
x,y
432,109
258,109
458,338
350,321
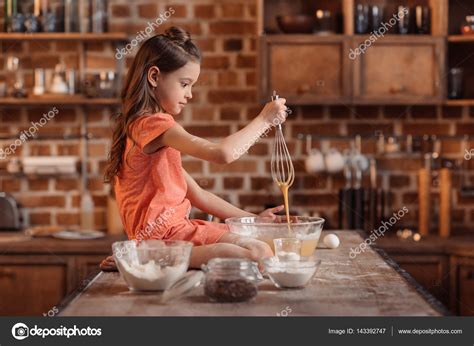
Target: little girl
x,y
154,193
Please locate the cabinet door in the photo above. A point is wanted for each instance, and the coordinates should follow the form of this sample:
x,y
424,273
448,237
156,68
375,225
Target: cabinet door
x,y
466,290
305,69
431,272
399,70
85,266
32,288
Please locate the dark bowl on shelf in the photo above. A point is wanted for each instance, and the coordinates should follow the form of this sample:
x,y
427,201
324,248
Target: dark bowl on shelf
x,y
296,24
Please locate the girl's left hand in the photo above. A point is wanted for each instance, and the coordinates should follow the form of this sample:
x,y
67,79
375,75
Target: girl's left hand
x,y
270,212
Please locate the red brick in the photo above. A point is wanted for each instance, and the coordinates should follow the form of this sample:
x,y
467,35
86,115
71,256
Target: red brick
x,y
230,10
204,11
371,129
206,183
226,96
215,62
40,150
67,184
38,184
233,28
101,62
29,201
317,129
233,183
260,183
97,149
180,11
246,61
193,166
40,218
202,113
323,199
209,131
10,185
234,167
147,11
68,219
259,200
399,181
227,78
450,146
68,149
317,181
230,113
206,44
120,11
100,200
233,44
251,78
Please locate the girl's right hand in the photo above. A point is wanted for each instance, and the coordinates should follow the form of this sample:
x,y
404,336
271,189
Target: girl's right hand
x,y
274,112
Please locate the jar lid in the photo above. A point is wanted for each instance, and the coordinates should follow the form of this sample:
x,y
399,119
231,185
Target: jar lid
x,y
184,285
230,263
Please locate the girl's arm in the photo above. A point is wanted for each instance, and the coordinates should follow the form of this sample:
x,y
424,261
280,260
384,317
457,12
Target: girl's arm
x,y
231,147
210,203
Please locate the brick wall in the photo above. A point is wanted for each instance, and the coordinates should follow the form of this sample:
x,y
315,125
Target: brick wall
x,y
224,101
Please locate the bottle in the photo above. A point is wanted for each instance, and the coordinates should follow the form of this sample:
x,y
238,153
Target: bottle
x,y
87,212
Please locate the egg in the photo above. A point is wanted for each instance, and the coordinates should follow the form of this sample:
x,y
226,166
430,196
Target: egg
x,y
331,241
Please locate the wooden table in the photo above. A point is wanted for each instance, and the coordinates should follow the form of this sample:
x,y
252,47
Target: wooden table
x,y
369,285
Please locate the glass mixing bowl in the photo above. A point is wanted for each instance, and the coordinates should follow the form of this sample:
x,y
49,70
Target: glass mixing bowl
x,y
152,265
305,228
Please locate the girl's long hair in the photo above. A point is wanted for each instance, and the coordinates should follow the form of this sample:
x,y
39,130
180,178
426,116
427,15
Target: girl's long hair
x,y
168,51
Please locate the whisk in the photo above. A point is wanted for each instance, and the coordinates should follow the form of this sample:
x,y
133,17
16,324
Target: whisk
x,y
283,172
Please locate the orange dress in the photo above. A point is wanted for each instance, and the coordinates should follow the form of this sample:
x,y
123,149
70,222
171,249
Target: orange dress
x,y
151,189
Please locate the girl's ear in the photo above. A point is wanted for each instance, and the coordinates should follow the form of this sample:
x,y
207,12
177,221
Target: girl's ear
x,y
153,76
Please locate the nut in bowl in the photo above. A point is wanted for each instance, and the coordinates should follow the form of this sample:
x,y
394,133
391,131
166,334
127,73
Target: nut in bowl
x,y
291,273
305,228
151,265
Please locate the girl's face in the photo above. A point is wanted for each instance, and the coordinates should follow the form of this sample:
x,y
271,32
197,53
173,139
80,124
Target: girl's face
x,y
173,89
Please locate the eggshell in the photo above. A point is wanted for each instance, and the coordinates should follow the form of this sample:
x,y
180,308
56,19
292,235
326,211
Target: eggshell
x,y
331,241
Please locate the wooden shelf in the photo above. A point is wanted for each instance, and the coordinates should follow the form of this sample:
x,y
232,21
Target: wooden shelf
x,y
461,102
461,38
62,36
58,100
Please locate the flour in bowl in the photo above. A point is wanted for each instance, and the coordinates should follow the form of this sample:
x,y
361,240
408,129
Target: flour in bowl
x,y
151,276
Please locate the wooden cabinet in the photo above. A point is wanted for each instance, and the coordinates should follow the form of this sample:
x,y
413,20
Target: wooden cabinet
x,y
305,69
35,284
430,271
399,70
37,274
32,287
462,286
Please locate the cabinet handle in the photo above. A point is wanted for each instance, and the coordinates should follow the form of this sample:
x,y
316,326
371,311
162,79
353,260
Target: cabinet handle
x,y
303,88
7,273
397,89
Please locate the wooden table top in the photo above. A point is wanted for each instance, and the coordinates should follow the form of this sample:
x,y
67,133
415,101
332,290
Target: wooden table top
x,y
369,285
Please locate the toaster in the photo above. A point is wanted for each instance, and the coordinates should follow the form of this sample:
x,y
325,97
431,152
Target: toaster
x,y
9,213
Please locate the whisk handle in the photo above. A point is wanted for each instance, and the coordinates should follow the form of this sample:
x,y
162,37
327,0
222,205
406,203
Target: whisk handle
x,y
276,97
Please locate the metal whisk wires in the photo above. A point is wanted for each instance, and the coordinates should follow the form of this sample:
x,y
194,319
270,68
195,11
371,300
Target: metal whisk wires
x,y
283,172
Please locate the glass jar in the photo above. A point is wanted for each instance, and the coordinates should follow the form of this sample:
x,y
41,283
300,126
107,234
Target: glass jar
x,y
467,27
231,280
